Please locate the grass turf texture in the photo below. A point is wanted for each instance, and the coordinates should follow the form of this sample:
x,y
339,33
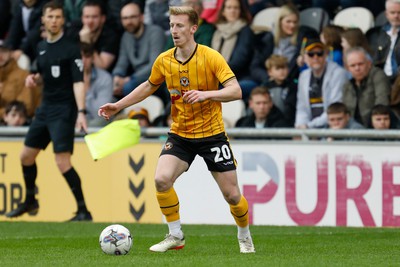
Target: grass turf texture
x,y
76,244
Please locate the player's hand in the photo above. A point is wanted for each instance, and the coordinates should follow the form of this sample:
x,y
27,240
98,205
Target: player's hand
x,y
194,96
81,123
108,110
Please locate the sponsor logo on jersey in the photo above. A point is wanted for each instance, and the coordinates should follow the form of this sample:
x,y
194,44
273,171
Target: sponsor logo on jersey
x,y
175,95
55,71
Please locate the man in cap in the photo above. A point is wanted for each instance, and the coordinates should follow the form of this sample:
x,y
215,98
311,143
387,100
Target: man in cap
x,y
319,86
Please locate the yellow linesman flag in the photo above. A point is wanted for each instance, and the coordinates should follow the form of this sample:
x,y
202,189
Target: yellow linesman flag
x,y
115,136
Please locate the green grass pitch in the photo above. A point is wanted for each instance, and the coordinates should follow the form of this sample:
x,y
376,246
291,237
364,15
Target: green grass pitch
x,y
76,244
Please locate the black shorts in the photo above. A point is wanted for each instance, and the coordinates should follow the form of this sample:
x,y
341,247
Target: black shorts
x,y
215,150
53,123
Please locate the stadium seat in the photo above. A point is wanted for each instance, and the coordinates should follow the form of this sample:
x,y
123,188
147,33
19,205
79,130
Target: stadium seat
x,y
381,19
153,105
232,112
355,17
265,19
314,17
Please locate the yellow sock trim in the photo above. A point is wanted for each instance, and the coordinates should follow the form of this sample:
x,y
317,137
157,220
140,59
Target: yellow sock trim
x,y
169,204
240,212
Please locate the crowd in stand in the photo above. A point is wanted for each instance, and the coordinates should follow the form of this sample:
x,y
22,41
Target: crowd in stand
x,y
291,75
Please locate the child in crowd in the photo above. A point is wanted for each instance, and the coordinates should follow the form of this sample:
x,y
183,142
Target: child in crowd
x,y
331,37
339,118
382,118
283,92
15,114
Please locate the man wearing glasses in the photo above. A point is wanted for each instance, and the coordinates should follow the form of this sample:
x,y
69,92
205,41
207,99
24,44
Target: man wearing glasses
x,y
140,46
319,86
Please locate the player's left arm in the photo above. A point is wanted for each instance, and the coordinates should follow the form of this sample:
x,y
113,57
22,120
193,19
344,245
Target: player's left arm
x,y
80,94
230,92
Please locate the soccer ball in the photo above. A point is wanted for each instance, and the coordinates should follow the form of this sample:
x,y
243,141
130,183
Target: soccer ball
x,y
115,240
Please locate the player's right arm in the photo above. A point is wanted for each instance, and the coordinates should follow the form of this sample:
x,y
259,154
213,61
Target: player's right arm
x,y
138,94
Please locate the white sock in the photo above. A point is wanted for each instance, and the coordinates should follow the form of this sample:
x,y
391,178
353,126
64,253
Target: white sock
x,y
175,229
243,232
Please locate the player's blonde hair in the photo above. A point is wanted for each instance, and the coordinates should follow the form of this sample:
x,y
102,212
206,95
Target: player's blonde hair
x,y
185,10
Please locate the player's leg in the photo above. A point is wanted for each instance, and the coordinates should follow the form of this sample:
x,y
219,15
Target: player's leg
x,y
29,170
218,155
169,168
36,139
62,132
63,160
227,182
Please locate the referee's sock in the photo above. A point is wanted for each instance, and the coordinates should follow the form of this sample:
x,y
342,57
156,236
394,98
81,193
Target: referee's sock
x,y
74,183
30,174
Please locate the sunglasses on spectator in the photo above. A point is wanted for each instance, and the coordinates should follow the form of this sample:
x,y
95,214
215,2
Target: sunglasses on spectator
x,y
318,54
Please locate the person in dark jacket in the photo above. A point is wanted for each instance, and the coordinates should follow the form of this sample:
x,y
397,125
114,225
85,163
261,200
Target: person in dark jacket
x,y
264,113
384,41
233,38
368,87
22,38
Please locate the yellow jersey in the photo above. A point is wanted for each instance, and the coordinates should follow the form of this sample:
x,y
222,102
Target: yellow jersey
x,y
205,70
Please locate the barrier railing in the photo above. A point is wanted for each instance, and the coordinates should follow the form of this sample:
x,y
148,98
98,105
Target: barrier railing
x,y
303,134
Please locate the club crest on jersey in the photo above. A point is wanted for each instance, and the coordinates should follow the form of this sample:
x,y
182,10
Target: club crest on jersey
x,y
184,81
55,71
168,146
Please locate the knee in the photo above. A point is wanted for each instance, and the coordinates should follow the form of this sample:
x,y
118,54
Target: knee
x,y
63,165
26,159
233,198
162,183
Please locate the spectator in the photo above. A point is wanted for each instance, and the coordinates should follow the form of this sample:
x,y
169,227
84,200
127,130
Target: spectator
x,y
15,114
140,46
98,88
24,33
339,118
384,40
282,91
285,40
264,113
204,33
156,12
96,37
73,11
331,38
210,11
382,118
12,83
140,114
354,37
319,86
395,97
165,119
233,38
368,87
5,17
